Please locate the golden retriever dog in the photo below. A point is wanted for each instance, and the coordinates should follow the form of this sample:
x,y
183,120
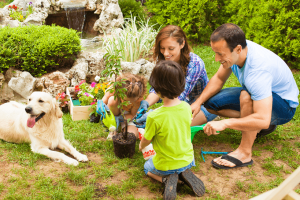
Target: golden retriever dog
x,y
39,123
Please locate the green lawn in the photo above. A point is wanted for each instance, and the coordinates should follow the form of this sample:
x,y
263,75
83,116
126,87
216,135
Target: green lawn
x,y
25,175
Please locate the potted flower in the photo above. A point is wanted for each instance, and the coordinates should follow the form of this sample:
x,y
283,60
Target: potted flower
x,y
123,141
63,101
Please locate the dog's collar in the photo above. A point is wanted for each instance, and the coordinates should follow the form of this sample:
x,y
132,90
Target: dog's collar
x,y
39,117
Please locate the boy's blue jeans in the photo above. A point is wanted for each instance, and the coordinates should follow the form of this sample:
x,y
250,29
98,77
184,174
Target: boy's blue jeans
x,y
149,167
229,98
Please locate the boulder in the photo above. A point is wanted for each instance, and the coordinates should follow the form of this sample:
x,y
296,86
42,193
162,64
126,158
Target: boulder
x,y
53,83
78,72
23,85
111,17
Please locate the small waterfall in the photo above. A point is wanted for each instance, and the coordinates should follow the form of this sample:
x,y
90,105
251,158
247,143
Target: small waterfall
x,y
76,18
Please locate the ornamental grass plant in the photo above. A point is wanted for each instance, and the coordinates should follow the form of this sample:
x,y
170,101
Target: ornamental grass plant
x,y
133,42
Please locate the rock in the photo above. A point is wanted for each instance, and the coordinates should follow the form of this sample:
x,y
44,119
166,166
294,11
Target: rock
x,y
23,85
141,67
91,5
146,68
12,72
78,71
12,23
53,83
129,67
99,8
111,17
36,19
2,79
6,93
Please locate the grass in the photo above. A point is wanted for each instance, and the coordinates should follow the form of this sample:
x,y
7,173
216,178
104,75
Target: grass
x,y
4,3
25,175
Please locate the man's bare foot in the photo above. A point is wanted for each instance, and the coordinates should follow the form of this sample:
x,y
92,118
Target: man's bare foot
x,y
240,155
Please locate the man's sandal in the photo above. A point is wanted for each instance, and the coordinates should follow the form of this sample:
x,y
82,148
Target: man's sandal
x,y
235,161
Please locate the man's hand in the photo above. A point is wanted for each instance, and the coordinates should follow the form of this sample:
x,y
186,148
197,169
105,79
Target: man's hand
x,y
196,107
211,128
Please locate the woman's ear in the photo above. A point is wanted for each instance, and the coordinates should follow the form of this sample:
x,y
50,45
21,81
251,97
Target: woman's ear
x,y
182,45
58,111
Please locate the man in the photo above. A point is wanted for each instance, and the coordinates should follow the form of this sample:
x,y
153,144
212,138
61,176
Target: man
x,y
268,96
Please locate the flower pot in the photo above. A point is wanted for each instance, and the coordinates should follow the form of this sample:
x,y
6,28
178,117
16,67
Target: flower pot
x,y
124,148
94,118
65,109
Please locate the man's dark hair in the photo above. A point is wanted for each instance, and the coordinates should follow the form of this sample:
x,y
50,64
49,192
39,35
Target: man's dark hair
x,y
167,79
231,33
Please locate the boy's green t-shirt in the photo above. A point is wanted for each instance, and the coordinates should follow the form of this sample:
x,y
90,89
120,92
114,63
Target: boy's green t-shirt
x,y
170,132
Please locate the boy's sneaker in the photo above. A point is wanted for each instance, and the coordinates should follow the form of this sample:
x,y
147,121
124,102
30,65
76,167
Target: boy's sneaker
x,y
170,186
193,182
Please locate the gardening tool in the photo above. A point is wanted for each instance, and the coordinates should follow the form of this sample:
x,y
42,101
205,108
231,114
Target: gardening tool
x,y
211,152
107,117
139,114
196,129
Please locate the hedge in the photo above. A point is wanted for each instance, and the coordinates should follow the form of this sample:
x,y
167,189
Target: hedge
x,y
274,24
37,49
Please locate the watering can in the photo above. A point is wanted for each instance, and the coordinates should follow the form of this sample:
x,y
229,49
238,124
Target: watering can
x,y
107,117
196,129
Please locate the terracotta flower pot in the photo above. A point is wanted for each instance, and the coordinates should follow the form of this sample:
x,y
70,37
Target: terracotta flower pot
x,y
124,148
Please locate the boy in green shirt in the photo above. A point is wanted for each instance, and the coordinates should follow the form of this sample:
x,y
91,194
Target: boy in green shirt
x,y
168,128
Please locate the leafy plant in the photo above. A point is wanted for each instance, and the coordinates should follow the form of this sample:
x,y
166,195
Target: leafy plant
x,y
197,18
273,24
38,49
133,42
113,69
132,8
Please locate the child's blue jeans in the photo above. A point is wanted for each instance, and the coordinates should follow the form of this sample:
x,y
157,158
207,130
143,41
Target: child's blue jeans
x,y
229,98
149,167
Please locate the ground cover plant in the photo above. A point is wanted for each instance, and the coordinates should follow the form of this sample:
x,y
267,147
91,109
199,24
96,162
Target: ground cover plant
x,y
25,175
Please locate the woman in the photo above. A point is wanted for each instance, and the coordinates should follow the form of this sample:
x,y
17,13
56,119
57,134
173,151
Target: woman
x,y
171,44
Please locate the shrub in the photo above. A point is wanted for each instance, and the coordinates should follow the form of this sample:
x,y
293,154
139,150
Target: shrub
x,y
271,23
131,7
37,49
197,18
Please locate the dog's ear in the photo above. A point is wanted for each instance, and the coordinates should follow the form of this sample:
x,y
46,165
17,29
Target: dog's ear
x,y
58,111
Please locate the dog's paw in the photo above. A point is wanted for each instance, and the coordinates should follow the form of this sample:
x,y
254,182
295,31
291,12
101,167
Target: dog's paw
x,y
71,161
82,158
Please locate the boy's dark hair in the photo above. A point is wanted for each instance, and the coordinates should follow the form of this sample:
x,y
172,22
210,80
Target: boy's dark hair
x,y
231,33
167,79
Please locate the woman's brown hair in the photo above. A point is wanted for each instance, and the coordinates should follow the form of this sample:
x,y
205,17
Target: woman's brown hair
x,y
135,85
177,33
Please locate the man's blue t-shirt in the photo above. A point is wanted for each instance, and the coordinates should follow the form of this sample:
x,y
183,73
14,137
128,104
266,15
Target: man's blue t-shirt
x,y
265,72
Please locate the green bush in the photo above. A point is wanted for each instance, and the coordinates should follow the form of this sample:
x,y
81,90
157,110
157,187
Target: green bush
x,y
197,18
129,7
273,24
37,49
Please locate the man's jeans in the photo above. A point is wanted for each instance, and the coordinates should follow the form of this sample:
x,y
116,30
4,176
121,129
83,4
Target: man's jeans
x,y
229,98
